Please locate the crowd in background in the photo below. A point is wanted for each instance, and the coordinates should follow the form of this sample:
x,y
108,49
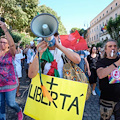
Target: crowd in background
x,y
20,58
89,58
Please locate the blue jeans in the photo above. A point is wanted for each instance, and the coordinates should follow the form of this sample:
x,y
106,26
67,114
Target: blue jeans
x,y
9,98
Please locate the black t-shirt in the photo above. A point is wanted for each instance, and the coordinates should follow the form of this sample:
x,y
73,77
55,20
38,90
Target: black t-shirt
x,y
93,61
109,92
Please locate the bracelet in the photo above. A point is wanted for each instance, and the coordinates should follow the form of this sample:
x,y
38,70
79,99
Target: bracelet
x,y
115,65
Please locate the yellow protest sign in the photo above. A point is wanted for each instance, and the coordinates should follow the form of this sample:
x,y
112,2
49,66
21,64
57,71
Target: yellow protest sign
x,y
68,99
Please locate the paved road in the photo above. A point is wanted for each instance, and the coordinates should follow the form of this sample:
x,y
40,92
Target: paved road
x,y
91,111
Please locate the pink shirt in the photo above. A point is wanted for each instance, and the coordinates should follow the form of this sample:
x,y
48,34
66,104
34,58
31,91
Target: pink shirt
x,y
8,76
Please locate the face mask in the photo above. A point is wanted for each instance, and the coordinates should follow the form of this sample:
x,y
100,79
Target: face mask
x,y
51,43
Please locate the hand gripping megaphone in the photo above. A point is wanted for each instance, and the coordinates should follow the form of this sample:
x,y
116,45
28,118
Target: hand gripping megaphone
x,y
44,25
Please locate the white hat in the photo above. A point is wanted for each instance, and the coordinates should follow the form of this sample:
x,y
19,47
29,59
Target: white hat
x,y
31,43
39,40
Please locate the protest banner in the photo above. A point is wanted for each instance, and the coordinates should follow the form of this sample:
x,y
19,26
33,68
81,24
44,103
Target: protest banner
x,y
68,99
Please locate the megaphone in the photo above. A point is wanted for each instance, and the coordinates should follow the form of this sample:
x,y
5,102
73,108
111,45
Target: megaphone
x,y
44,25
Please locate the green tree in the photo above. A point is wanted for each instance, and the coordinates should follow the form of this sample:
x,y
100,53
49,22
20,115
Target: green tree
x,y
24,38
14,16
74,29
82,32
113,28
99,44
61,28
19,14
30,7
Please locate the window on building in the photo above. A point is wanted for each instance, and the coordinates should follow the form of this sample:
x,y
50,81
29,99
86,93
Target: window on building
x,y
97,19
103,14
102,39
111,8
100,17
107,11
103,23
100,26
97,36
116,15
106,21
116,4
94,37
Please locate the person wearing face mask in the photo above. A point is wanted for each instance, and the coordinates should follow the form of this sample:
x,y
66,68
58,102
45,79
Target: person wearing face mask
x,y
108,71
51,52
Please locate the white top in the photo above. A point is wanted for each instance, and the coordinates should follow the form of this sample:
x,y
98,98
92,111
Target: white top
x,y
59,61
18,58
30,53
57,56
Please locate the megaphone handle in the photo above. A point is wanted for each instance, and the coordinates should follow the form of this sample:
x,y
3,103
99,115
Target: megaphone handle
x,y
40,69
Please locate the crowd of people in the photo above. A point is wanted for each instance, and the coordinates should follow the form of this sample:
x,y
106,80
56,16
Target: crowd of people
x,y
98,64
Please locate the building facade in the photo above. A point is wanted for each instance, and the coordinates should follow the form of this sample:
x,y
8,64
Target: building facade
x,y
97,30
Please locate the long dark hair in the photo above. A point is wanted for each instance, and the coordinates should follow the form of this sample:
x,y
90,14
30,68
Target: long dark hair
x,y
91,49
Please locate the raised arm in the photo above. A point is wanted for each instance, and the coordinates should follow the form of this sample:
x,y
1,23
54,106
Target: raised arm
x,y
9,38
74,57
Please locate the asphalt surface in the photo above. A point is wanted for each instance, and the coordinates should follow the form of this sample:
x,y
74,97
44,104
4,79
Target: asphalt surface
x,y
91,110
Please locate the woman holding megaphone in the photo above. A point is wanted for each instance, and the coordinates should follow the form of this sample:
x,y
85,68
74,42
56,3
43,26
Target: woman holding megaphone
x,y
52,55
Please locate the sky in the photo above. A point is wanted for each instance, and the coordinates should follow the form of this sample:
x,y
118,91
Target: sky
x,y
76,13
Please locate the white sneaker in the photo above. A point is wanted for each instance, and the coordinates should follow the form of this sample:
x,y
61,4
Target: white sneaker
x,y
93,92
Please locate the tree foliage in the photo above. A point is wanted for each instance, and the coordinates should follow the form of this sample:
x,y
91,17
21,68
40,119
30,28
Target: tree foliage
x,y
19,14
82,32
113,28
14,16
61,28
25,39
